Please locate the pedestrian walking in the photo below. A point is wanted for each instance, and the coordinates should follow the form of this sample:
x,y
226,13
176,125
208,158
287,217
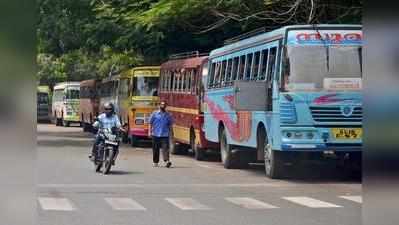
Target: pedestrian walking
x,y
160,130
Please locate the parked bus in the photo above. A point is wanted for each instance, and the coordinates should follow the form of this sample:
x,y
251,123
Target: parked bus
x,y
290,91
181,86
144,100
89,103
108,92
43,103
65,107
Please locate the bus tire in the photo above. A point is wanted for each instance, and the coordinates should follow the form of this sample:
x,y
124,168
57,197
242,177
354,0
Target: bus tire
x,y
134,141
86,127
125,138
65,123
173,148
199,154
226,153
274,163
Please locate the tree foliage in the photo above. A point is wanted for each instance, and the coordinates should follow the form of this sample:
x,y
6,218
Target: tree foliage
x,y
81,39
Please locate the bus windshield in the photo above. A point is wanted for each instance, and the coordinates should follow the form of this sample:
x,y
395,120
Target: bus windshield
x,y
42,98
72,94
145,86
313,68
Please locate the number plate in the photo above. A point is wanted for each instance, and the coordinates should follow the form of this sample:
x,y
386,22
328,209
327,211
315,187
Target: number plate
x,y
111,142
347,133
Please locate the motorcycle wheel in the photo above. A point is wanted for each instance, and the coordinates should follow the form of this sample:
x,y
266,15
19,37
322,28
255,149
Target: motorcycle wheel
x,y
108,162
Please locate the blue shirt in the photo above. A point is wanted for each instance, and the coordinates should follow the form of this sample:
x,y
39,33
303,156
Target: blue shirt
x,y
160,124
107,122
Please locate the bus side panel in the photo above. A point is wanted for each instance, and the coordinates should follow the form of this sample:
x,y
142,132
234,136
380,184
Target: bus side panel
x,y
219,109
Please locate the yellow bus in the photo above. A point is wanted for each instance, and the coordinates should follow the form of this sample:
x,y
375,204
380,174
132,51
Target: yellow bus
x,y
143,100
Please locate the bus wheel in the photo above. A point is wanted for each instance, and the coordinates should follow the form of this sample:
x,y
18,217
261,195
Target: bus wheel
x,y
134,141
125,138
199,154
86,127
273,163
65,123
226,152
172,146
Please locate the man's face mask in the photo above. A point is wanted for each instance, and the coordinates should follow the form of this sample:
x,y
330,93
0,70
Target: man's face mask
x,y
108,112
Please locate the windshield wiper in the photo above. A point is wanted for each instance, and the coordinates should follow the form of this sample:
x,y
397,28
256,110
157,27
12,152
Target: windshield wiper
x,y
325,45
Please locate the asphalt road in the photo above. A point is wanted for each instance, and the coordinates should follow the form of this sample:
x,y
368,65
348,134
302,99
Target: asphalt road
x,y
69,192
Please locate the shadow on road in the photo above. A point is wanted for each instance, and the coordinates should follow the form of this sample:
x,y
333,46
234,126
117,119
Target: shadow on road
x,y
64,143
121,172
309,172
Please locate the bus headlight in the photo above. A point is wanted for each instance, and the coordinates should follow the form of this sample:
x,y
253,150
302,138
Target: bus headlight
x,y
298,135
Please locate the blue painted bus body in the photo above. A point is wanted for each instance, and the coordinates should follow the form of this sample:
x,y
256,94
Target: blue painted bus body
x,y
299,120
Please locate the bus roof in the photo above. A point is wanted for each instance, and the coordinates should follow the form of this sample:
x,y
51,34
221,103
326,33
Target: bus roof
x,y
274,35
152,71
91,82
192,62
63,85
43,89
111,78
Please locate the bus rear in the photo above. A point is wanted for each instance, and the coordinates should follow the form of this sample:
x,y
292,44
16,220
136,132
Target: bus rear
x,y
43,103
144,100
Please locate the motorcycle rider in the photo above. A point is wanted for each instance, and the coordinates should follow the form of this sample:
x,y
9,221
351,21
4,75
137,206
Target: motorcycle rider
x,y
106,120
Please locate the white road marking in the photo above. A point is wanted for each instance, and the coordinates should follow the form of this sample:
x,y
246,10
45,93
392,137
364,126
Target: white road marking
x,y
226,185
311,202
187,204
124,204
250,203
205,166
354,198
56,204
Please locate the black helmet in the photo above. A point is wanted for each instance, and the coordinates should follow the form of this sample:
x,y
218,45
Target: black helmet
x,y
109,108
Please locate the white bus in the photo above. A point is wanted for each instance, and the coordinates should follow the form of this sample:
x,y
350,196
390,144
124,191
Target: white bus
x,y
65,107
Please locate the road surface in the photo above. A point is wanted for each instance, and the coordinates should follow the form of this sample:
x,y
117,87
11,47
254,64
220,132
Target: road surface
x,y
69,192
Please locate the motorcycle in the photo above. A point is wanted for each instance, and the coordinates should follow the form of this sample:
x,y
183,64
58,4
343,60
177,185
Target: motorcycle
x,y
107,150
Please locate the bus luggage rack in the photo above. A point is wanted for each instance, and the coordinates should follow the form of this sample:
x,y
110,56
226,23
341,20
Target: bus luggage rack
x,y
245,35
334,114
186,55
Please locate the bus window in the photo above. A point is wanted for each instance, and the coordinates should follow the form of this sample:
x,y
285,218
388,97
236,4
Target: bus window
x,y
228,70
183,81
223,74
248,66
212,75
272,63
172,81
255,68
216,79
241,67
234,68
72,94
124,87
145,86
263,66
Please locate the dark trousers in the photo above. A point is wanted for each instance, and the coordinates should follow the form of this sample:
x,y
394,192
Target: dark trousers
x,y
157,144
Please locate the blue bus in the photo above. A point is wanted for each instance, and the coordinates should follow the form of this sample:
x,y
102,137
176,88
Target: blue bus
x,y
287,94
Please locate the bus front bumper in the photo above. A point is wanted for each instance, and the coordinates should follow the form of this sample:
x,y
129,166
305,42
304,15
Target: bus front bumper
x,y
316,140
322,147
139,132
